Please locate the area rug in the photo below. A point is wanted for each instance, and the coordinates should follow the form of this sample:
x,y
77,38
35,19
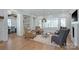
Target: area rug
x,y
47,41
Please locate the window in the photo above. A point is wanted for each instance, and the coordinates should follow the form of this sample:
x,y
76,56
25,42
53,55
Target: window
x,y
9,22
63,22
51,23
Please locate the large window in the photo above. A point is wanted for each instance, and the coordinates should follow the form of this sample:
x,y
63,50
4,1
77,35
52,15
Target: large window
x,y
9,22
63,22
51,23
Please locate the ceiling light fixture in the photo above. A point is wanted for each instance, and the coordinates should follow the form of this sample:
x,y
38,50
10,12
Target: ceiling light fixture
x,y
44,20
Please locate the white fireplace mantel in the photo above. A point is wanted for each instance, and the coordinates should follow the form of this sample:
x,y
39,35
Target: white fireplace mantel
x,y
75,33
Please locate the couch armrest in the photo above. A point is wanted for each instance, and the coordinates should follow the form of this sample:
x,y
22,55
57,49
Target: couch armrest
x,y
53,38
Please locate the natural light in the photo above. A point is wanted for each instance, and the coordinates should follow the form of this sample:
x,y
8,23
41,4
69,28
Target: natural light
x,y
54,22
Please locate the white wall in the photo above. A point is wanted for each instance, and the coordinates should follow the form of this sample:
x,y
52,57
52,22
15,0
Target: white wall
x,y
3,26
68,21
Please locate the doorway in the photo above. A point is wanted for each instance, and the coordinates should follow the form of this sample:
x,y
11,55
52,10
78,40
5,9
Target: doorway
x,y
12,24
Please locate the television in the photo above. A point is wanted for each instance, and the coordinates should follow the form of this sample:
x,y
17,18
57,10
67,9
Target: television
x,y
75,15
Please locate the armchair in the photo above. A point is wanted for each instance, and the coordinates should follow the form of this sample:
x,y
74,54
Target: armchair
x,y
60,39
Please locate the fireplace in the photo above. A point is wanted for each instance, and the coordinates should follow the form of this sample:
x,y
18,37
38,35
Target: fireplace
x,y
75,28
73,32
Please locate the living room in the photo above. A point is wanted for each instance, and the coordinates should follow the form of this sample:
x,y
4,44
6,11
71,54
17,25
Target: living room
x,y
34,29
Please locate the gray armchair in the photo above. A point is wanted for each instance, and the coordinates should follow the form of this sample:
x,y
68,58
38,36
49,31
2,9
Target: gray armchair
x,y
60,39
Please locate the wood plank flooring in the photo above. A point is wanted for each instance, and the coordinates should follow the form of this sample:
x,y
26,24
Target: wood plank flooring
x,y
19,43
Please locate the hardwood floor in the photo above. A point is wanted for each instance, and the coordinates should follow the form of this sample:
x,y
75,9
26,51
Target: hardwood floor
x,y
19,43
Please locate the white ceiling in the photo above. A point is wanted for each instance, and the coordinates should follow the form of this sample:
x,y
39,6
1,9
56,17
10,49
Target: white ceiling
x,y
46,12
